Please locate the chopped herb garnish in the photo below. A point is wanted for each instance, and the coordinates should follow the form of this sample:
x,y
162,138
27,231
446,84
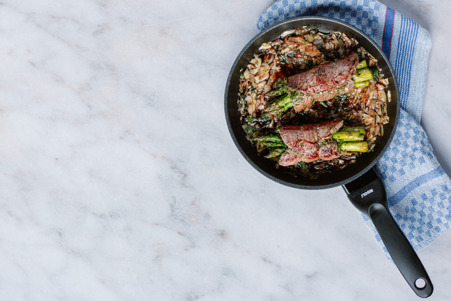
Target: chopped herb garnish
x,y
343,97
303,165
375,73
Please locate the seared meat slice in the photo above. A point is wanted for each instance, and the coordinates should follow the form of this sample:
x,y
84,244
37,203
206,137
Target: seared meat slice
x,y
324,81
328,128
348,87
290,157
303,152
292,134
325,76
328,150
301,103
308,150
302,141
304,102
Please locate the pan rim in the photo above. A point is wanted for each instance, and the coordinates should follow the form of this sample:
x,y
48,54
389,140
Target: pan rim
x,y
313,186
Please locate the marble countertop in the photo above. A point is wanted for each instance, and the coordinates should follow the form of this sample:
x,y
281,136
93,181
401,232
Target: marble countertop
x,y
119,180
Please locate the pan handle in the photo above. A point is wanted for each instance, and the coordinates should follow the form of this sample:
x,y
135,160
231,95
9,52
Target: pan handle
x,y
367,193
400,250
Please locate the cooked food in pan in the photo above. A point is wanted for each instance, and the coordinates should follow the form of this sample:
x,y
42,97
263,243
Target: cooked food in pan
x,y
313,101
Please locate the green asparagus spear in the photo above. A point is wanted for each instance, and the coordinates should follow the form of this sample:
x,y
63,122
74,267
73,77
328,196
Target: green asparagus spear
x,y
275,153
361,146
362,84
249,129
270,141
348,136
279,88
280,105
361,65
362,75
359,129
249,124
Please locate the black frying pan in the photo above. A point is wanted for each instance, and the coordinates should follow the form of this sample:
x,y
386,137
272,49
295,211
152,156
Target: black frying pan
x,y
363,187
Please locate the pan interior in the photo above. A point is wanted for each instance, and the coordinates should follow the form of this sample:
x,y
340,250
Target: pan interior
x,y
267,167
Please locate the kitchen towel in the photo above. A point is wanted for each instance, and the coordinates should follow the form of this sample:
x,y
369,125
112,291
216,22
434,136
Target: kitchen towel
x,y
418,190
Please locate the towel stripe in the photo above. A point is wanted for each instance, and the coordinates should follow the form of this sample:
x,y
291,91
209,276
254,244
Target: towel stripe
x,y
388,31
417,182
403,65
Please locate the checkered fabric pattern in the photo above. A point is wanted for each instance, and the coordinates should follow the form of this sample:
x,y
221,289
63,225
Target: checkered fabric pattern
x,y
418,190
357,13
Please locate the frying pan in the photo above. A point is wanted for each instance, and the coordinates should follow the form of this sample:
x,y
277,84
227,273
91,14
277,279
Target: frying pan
x,y
361,184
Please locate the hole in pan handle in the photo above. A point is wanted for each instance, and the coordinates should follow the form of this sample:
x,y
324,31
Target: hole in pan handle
x,y
367,193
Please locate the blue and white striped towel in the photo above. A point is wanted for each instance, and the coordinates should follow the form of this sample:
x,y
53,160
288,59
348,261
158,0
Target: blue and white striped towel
x,y
418,190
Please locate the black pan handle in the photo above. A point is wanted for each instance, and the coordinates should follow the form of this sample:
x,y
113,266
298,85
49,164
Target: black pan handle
x,y
401,251
367,193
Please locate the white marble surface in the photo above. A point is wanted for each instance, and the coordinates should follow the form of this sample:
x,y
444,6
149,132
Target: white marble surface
x,y
119,180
